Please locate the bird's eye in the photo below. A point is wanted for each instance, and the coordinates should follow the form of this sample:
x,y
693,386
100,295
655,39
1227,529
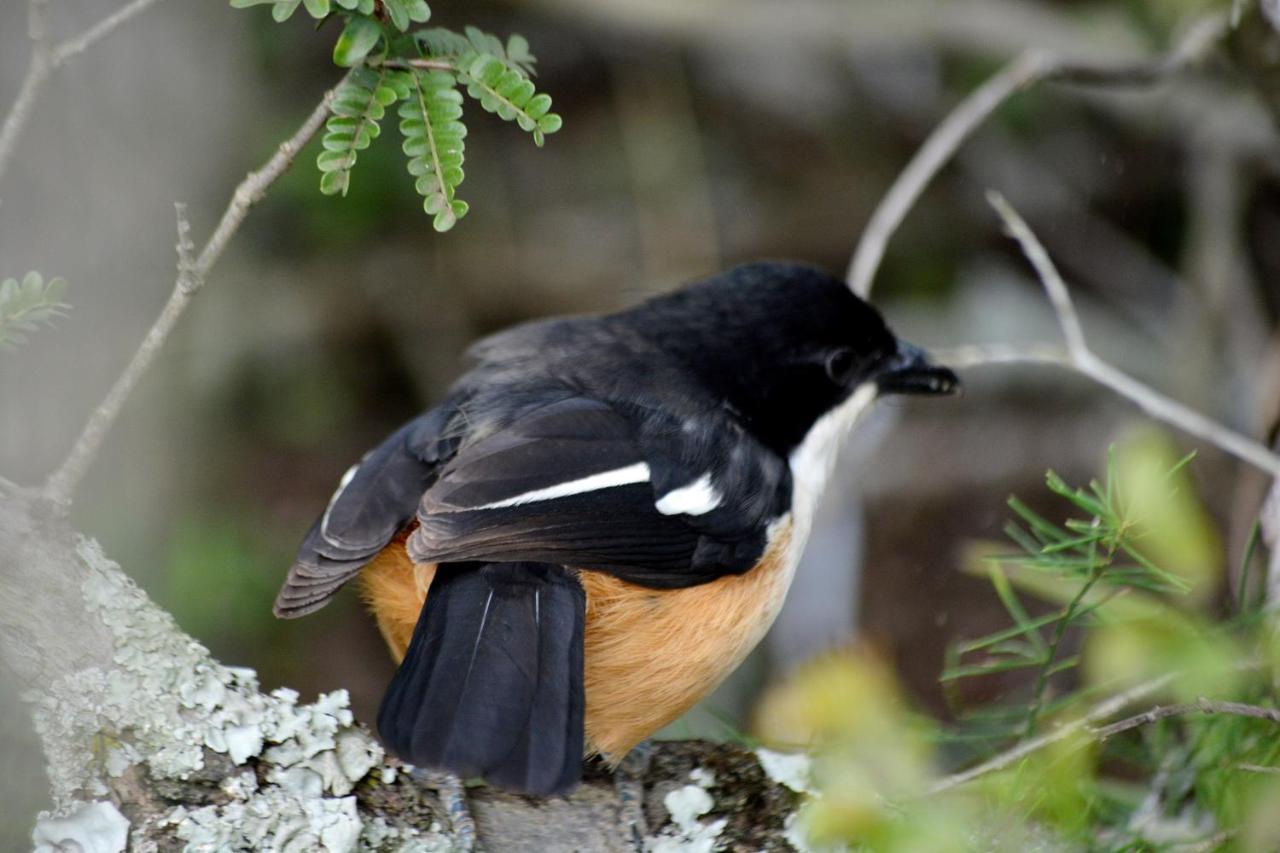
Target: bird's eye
x,y
841,364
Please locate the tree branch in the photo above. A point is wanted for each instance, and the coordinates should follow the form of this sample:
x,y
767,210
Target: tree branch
x,y
1200,706
1082,359
1024,71
190,277
139,722
46,59
1100,712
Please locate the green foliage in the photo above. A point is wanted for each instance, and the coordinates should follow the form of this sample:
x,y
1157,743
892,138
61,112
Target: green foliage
x,y
506,92
1084,563
425,71
1160,779
440,42
27,305
358,106
434,141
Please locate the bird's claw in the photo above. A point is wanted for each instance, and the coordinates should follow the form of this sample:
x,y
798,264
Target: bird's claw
x,y
453,797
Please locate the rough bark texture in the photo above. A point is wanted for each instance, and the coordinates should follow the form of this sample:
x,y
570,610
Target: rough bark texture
x,y
154,744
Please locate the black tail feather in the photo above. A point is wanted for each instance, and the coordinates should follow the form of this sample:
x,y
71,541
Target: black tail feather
x,y
491,684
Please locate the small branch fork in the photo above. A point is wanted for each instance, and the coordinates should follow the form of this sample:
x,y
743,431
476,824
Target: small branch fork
x,y
46,58
941,146
1102,711
1200,706
1079,357
1091,725
192,272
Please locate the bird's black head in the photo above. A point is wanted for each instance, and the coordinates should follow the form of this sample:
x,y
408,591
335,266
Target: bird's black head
x,y
783,344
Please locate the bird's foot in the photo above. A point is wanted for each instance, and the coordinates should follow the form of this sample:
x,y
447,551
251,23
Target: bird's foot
x,y
453,796
628,781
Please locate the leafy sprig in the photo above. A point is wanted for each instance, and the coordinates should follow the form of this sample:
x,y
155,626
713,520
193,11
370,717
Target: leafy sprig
x,y
1085,563
434,141
358,106
426,72
27,305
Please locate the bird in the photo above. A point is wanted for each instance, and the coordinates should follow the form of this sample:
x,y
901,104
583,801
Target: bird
x,y
601,518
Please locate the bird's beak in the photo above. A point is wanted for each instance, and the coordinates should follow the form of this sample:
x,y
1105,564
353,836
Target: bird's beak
x,y
909,371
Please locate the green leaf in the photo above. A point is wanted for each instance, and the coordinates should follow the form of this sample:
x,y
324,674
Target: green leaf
x,y
507,93
27,305
284,10
358,38
434,143
357,108
442,43
419,11
317,8
398,12
519,55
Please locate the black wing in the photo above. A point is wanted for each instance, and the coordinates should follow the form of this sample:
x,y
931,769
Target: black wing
x,y
375,500
576,482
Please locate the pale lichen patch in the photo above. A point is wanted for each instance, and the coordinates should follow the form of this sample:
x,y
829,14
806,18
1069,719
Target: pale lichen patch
x,y
159,712
380,835
686,805
88,827
792,769
271,820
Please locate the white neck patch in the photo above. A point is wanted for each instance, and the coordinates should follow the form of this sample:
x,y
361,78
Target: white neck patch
x,y
813,460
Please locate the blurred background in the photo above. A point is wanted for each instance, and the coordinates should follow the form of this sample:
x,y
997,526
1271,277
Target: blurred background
x,y
697,135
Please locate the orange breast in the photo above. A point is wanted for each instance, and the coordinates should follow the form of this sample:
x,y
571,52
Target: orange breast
x,y
649,656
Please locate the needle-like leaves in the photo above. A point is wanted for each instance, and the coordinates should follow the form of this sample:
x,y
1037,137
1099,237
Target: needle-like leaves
x,y
1084,564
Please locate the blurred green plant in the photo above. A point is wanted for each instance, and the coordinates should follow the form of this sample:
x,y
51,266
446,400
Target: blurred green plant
x,y
1129,580
424,71
27,305
1141,514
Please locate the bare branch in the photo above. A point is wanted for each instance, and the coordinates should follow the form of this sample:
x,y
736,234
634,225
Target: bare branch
x,y
76,45
935,153
185,248
1102,711
981,355
1054,286
1200,706
38,70
191,276
1024,71
46,59
1082,359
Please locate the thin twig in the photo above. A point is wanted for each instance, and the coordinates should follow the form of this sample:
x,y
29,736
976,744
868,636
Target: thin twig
x,y
1100,712
935,153
1082,359
1200,706
426,64
77,45
1054,286
191,276
38,70
1024,71
981,355
46,59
